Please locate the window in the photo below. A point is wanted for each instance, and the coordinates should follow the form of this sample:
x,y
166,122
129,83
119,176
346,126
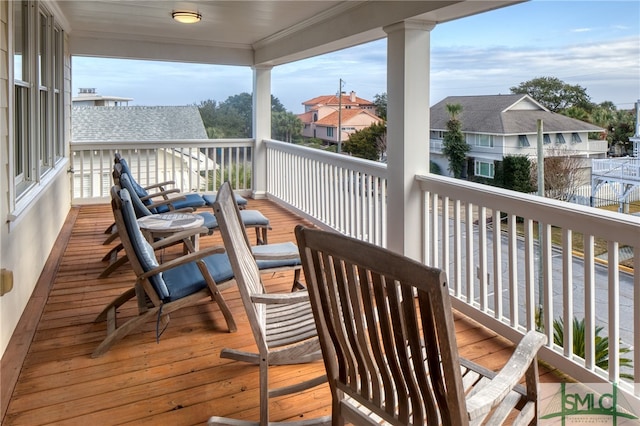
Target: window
x,y
575,138
484,169
523,140
330,131
560,138
38,65
546,139
485,141
437,134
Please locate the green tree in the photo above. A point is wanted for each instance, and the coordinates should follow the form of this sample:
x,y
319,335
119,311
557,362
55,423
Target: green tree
x,y
555,94
368,142
285,126
232,118
515,173
380,101
454,147
620,129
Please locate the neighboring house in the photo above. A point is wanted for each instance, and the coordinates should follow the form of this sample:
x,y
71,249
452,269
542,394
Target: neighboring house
x,y
143,123
322,118
502,125
89,97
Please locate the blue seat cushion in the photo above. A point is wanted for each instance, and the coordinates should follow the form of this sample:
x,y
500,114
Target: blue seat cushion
x,y
210,198
277,248
190,200
210,220
187,279
249,218
253,217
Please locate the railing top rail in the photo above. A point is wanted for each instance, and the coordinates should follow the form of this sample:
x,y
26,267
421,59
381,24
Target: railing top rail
x,y
133,144
353,163
620,227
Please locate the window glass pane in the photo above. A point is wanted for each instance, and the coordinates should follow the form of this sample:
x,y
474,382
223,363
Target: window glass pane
x,y
575,138
18,40
43,51
523,140
560,138
546,139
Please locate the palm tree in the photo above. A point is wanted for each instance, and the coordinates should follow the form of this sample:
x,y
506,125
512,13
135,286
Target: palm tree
x,y
601,344
454,146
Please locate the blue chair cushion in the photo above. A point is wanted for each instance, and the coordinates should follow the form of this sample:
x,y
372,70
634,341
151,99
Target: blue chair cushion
x,y
191,200
138,206
210,198
187,279
277,248
139,190
142,249
210,220
253,217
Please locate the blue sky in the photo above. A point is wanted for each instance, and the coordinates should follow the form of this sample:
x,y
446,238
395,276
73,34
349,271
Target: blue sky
x,y
595,44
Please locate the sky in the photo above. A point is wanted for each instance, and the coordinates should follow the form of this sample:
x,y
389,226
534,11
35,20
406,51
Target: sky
x,y
591,43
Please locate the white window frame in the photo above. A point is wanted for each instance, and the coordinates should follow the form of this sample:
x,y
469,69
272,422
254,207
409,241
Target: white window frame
x,y
478,166
36,116
482,140
560,139
329,132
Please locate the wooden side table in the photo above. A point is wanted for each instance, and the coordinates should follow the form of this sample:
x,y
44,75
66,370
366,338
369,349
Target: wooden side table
x,y
165,224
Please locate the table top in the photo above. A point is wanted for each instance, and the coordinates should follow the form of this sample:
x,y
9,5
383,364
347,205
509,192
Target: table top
x,y
170,222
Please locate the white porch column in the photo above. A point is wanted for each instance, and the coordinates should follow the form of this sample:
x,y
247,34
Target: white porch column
x,y
408,54
261,128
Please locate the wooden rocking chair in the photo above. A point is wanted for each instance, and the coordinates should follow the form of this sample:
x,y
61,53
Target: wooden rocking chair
x,y
282,324
386,329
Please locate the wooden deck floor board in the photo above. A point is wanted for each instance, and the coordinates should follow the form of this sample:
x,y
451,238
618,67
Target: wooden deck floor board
x,y
179,381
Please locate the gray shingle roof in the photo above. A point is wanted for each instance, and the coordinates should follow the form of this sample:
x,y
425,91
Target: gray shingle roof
x,y
136,123
504,114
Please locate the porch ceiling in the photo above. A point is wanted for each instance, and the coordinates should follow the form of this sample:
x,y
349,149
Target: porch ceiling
x,y
242,32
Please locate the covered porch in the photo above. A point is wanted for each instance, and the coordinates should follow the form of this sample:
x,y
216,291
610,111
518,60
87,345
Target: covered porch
x,y
544,263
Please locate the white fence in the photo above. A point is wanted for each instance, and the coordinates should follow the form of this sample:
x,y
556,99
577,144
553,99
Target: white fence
x,y
194,165
345,193
504,279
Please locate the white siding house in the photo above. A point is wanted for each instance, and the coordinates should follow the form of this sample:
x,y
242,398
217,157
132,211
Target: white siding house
x,y
506,125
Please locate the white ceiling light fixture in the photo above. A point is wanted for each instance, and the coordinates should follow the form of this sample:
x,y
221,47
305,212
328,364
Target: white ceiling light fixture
x,y
186,17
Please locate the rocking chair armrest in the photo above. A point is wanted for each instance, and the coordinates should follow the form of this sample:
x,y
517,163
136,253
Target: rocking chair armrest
x,y
188,258
276,256
179,236
163,194
281,298
160,185
484,399
169,202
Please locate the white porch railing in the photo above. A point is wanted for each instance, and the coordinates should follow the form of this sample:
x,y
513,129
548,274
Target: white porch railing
x,y
194,165
501,279
345,193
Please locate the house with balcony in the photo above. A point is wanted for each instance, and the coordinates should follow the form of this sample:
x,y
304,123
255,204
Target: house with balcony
x,y
496,126
323,115
503,281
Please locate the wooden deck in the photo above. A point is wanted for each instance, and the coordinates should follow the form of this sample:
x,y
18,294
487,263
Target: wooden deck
x,y
48,377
